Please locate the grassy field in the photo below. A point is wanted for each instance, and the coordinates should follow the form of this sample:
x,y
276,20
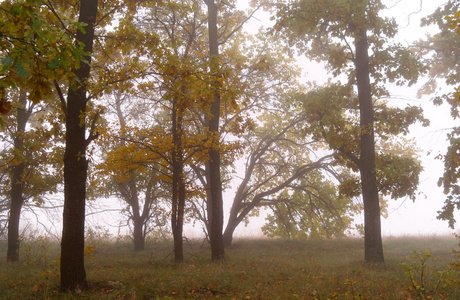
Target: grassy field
x,y
254,269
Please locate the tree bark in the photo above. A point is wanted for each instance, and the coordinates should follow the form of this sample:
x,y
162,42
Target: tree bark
x,y
138,234
227,237
17,184
215,202
178,185
73,274
373,249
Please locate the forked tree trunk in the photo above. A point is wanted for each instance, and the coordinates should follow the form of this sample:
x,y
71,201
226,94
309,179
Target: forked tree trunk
x,y
17,184
73,274
129,189
215,202
373,249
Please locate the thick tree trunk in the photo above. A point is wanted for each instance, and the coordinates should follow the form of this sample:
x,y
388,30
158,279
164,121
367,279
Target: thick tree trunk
x,y
215,210
138,234
73,274
13,222
373,249
17,184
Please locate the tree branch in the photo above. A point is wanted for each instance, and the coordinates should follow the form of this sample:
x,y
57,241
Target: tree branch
x,y
61,97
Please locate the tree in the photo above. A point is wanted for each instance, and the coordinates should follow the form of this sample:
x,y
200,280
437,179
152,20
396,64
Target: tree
x,y
32,161
215,202
129,176
342,34
43,44
442,53
17,184
78,113
176,93
266,123
366,164
34,53
277,164
337,123
73,274
179,72
314,209
187,76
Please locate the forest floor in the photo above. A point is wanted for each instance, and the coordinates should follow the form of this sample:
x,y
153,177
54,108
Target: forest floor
x,y
253,269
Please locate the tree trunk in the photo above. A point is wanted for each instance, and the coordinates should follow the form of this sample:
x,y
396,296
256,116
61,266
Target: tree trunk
x,y
373,250
17,184
138,234
215,211
227,237
178,185
73,274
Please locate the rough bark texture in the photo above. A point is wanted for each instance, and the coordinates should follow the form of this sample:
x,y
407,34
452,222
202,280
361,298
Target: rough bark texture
x,y
17,184
215,202
373,250
73,274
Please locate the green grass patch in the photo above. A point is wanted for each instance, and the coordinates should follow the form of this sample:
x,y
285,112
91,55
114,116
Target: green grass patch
x,y
253,269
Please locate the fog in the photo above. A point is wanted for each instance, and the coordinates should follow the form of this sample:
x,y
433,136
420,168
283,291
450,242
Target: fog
x,y
404,216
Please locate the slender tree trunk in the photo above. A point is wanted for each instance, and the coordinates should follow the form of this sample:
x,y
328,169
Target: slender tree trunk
x,y
373,249
17,184
73,274
227,237
215,211
178,185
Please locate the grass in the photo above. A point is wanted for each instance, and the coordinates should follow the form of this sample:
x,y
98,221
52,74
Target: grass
x,y
254,269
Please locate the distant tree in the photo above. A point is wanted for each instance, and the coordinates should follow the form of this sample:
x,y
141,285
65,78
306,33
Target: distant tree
x,y
34,54
32,162
277,165
128,176
314,209
352,39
